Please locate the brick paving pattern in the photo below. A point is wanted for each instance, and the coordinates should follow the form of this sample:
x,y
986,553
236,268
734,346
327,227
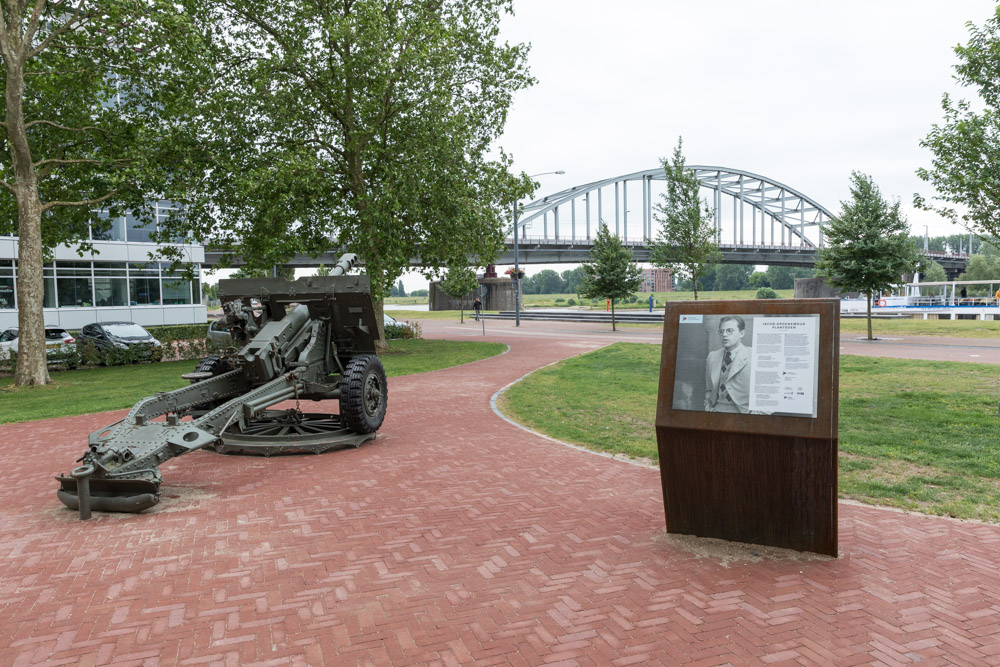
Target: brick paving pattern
x,y
456,538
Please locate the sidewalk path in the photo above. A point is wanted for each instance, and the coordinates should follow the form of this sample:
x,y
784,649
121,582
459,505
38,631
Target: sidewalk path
x,y
457,538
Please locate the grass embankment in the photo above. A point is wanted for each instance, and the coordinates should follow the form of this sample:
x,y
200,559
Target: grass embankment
x,y
917,435
411,315
562,300
854,327
100,389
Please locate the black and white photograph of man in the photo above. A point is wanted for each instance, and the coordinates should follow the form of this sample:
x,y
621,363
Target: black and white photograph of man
x,y
712,371
727,369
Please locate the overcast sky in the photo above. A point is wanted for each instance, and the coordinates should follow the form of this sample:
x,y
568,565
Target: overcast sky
x,y
801,92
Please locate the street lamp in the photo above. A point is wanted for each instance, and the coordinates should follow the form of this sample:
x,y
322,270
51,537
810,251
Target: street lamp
x,y
517,269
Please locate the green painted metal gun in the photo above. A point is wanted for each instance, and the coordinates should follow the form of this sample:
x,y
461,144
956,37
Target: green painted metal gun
x,y
311,339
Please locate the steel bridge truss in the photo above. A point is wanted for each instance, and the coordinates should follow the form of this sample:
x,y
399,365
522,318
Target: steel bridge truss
x,y
764,213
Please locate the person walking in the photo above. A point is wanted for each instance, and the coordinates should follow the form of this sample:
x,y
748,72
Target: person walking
x,y
477,305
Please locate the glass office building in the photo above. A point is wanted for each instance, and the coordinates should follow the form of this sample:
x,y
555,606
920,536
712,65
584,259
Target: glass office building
x,y
116,282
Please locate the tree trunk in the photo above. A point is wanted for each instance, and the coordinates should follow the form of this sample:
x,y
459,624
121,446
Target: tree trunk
x,y
613,315
869,299
31,367
380,342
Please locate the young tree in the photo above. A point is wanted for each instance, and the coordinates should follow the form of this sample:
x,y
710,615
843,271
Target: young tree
x,y
364,125
610,273
868,246
931,271
97,99
459,283
966,146
685,241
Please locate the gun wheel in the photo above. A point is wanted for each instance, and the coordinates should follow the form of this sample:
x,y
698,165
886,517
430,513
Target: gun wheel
x,y
364,394
276,432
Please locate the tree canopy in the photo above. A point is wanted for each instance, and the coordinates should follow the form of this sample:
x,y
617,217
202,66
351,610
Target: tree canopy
x,y
98,99
610,273
685,241
966,145
868,245
364,125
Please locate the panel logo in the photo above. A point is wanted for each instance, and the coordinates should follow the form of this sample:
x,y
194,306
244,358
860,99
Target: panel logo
x,y
691,319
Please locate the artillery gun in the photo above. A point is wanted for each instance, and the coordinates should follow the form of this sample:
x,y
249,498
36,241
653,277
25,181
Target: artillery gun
x,y
309,339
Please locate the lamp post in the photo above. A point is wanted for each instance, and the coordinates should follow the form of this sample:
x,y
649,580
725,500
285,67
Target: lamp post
x,y
517,269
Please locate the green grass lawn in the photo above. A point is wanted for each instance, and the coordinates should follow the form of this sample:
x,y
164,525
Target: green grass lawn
x,y
562,300
100,389
411,315
918,435
858,326
404,300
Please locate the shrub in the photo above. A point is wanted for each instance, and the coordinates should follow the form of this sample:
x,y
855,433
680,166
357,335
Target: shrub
x,y
403,331
560,300
571,302
766,293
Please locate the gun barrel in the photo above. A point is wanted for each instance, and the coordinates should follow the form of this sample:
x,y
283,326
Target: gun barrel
x,y
344,264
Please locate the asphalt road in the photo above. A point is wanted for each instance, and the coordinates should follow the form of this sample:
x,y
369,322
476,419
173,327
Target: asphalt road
x,y
980,350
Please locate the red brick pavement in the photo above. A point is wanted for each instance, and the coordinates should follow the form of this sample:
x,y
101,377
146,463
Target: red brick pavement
x,y
456,538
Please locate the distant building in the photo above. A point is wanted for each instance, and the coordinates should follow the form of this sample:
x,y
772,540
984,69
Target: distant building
x,y
117,283
657,280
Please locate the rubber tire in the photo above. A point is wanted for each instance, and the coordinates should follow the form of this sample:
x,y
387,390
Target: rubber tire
x,y
364,372
215,365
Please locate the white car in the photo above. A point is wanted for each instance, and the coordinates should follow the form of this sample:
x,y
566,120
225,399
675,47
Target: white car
x,y
57,340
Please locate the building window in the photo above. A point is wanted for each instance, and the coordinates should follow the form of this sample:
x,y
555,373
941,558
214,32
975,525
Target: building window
x,y
74,285
111,229
176,288
110,284
49,284
143,285
7,285
138,231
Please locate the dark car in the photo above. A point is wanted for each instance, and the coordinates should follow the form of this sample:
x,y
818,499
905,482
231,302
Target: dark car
x,y
123,336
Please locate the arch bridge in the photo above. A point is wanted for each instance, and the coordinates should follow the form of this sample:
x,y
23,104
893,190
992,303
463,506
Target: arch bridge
x,y
757,220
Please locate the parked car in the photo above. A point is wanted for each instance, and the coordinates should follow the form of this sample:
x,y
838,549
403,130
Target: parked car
x,y
218,333
57,340
109,336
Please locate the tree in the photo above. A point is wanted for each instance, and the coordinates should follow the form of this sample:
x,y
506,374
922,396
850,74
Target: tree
x,y
287,272
732,276
983,266
548,281
459,282
364,125
966,146
97,99
868,245
610,273
685,242
758,279
572,280
783,277
932,272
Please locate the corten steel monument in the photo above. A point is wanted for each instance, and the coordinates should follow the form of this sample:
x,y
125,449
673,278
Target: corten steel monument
x,y
746,421
309,339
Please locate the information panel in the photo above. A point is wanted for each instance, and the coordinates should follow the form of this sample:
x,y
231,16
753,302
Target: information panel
x,y
753,364
746,421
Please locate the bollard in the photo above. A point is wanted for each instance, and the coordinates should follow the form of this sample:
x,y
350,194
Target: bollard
x,y
82,475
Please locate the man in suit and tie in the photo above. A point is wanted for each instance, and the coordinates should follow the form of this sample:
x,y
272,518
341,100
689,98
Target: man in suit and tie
x,y
727,370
